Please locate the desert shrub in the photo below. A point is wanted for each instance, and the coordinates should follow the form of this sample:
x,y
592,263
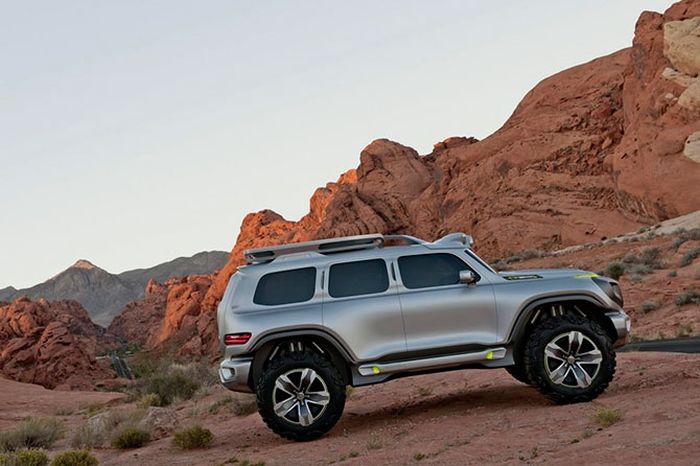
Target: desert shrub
x,y
131,438
194,437
690,256
649,305
672,274
686,235
24,457
170,382
32,433
168,387
614,270
239,404
647,260
74,458
605,417
97,431
148,400
688,297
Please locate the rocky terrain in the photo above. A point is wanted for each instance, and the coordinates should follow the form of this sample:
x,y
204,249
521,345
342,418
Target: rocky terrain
x,y
104,294
592,152
52,343
465,417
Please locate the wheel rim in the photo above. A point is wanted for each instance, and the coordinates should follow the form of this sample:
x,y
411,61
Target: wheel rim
x,y
300,396
572,359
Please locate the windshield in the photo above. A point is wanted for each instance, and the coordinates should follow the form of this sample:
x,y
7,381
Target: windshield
x,y
479,260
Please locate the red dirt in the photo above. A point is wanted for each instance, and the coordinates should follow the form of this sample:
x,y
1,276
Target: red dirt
x,y
463,417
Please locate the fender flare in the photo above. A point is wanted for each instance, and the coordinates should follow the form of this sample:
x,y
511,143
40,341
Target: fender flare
x,y
338,350
526,313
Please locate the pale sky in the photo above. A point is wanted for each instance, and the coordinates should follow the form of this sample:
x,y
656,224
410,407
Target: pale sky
x,y
134,132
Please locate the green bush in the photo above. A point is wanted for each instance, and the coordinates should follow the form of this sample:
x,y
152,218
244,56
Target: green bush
x,y
688,297
131,438
24,457
194,437
168,387
74,458
614,270
690,256
32,433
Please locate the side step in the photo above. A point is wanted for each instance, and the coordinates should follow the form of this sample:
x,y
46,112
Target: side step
x,y
431,363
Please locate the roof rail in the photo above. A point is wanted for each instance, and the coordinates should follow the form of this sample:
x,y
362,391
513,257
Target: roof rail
x,y
325,246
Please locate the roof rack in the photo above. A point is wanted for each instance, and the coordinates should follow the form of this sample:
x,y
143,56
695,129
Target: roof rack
x,y
325,246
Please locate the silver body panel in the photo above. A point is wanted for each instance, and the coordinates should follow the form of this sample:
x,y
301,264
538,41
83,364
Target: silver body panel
x,y
369,328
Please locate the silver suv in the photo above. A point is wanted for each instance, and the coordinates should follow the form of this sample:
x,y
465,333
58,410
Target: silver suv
x,y
302,321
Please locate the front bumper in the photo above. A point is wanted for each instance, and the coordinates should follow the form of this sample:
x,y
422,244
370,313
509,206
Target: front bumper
x,y
623,325
234,374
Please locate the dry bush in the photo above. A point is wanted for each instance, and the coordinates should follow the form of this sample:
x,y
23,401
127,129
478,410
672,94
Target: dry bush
x,y
194,437
32,433
74,458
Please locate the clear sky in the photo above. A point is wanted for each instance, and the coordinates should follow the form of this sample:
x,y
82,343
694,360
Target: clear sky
x,y
134,132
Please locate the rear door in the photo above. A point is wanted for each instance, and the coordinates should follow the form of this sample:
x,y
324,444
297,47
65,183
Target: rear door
x,y
438,310
361,306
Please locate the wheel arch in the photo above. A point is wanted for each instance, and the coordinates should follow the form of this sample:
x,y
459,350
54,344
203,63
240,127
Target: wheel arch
x,y
321,341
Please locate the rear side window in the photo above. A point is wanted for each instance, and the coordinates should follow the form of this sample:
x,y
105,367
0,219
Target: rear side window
x,y
358,278
290,286
428,270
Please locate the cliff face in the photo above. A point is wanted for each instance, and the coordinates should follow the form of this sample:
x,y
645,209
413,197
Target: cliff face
x,y
53,344
594,151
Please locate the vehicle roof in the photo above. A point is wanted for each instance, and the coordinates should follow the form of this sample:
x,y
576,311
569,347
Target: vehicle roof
x,y
315,258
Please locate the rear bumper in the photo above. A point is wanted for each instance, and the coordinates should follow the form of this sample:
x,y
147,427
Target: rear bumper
x,y
234,374
623,325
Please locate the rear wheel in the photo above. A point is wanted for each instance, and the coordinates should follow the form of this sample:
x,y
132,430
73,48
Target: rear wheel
x,y
569,359
300,395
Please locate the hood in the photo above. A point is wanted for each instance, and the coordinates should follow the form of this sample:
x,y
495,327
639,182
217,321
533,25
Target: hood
x,y
540,274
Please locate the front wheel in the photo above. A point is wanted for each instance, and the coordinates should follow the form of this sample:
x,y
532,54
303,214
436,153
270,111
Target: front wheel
x,y
569,359
301,395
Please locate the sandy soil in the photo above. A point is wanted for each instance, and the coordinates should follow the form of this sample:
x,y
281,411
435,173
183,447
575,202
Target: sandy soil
x,y
465,417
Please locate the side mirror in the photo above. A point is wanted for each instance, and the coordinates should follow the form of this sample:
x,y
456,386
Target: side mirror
x,y
467,276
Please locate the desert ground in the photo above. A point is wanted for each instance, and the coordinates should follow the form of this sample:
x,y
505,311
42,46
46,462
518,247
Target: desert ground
x,y
461,417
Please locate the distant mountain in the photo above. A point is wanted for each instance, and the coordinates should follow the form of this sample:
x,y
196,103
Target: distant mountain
x,y
104,294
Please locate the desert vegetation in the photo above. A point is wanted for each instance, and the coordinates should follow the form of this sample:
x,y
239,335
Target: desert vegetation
x,y
194,437
32,433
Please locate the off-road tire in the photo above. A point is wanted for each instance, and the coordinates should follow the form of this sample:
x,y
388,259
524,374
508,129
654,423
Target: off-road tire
x,y
519,373
324,369
538,339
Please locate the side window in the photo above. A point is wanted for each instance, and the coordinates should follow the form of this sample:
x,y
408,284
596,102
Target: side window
x,y
290,286
358,278
428,270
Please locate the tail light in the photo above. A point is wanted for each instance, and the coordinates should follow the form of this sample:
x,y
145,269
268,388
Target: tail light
x,y
237,338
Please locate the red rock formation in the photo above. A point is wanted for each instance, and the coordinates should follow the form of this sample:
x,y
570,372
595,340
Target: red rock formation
x,y
591,152
53,344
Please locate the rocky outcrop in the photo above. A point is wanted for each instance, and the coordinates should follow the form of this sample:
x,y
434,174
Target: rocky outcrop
x,y
589,153
170,313
53,344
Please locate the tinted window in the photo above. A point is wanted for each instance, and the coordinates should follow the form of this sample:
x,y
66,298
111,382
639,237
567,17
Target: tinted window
x,y
430,270
290,286
356,278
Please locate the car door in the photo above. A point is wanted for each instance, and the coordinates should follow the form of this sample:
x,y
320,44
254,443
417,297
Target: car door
x,y
438,310
361,306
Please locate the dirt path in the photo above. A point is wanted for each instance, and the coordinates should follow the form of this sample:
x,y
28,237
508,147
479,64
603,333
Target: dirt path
x,y
477,417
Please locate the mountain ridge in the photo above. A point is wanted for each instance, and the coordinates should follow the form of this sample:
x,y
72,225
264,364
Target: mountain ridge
x,y
103,293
